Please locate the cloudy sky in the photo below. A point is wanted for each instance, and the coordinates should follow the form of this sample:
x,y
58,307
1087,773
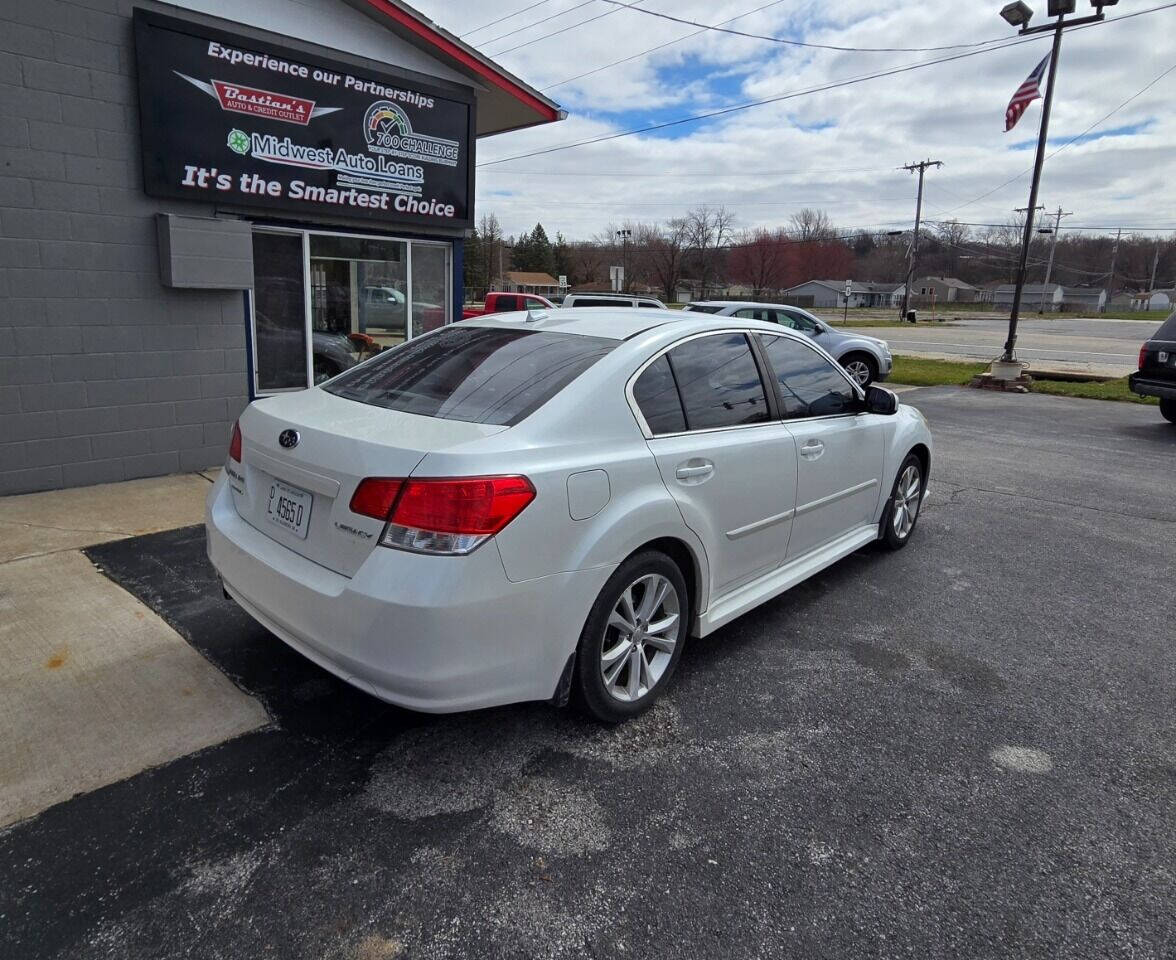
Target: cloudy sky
x,y
838,150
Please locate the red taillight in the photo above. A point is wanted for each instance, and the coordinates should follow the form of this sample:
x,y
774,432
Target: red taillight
x,y
235,443
375,496
1142,356
473,505
446,515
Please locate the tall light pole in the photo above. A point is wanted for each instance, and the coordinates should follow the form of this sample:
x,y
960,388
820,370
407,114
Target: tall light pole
x,y
921,166
624,235
1019,14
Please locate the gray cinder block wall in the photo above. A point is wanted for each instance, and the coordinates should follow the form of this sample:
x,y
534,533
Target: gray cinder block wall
x,y
104,373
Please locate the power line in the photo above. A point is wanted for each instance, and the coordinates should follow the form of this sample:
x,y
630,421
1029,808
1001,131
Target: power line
x,y
660,46
719,28
528,26
834,85
554,33
532,6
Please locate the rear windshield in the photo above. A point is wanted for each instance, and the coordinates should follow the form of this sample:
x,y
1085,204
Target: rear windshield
x,y
1167,329
477,374
600,302
702,308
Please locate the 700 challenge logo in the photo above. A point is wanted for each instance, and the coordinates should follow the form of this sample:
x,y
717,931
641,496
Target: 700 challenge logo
x,y
387,130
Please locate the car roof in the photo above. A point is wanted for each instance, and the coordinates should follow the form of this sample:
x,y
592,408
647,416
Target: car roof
x,y
746,303
616,323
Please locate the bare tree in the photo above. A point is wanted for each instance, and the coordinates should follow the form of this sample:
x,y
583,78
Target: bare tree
x,y
662,252
708,229
490,233
760,260
809,225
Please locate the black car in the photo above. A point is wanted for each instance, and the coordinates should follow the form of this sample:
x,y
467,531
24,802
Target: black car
x,y
1157,369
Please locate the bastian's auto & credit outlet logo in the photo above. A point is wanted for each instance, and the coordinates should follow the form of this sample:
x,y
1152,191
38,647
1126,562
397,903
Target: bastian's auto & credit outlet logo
x,y
238,98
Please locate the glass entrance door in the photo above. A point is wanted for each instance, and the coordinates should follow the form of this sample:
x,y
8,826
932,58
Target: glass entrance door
x,y
324,301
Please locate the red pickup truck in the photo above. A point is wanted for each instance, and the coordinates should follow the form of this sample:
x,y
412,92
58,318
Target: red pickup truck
x,y
505,302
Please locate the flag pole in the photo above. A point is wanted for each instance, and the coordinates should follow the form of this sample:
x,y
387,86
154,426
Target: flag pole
x,y
1009,355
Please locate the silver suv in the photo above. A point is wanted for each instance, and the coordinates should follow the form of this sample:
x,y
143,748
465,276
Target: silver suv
x,y
611,300
866,359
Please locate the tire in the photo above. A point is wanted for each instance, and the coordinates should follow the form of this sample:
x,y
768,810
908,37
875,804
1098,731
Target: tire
x,y
903,507
862,367
1168,409
616,679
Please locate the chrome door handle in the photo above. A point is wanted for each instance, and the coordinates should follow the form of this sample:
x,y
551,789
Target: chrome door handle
x,y
686,473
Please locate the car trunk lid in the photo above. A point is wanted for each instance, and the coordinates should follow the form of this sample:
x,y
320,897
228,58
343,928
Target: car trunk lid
x,y
298,492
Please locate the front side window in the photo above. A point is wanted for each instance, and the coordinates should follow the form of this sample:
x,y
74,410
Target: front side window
x,y
798,321
810,386
476,374
719,382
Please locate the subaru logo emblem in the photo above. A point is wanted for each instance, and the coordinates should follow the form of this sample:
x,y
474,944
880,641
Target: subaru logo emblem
x,y
288,438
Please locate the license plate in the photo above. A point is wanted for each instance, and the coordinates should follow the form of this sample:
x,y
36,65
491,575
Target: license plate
x,y
289,507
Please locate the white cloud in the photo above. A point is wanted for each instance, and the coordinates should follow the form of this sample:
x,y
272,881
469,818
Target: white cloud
x,y
768,161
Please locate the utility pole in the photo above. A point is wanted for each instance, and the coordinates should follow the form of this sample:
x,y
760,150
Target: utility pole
x,y
921,166
1152,283
1114,258
1053,246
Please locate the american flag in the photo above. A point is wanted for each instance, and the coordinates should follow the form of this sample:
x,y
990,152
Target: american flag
x,y
1026,93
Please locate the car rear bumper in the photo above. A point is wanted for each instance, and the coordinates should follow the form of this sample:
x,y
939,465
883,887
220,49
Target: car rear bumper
x,y
1152,387
437,634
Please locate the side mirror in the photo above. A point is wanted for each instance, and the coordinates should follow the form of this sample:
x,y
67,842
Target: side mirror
x,y
881,400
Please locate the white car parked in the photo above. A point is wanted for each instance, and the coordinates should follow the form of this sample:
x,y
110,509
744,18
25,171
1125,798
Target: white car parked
x,y
535,505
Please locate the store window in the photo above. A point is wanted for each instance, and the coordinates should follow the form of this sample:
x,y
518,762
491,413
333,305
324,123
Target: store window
x,y
324,301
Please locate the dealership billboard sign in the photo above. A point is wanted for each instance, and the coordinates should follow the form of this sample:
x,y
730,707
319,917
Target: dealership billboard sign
x,y
240,122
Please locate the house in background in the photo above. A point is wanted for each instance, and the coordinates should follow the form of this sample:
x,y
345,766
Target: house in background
x,y
1154,300
518,281
945,290
1084,299
1031,298
830,294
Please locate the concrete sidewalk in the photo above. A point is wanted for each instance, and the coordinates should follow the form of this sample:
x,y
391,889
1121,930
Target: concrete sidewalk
x,y
94,686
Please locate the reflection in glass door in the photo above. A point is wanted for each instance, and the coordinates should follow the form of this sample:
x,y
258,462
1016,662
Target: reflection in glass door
x,y
359,285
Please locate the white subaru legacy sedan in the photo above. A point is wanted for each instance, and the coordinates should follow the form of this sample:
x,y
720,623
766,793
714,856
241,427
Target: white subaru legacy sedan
x,y
546,505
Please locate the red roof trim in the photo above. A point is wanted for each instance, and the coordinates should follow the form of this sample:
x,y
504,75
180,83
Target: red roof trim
x,y
451,49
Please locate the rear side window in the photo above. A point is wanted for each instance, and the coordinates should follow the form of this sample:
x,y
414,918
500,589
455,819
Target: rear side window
x,y
477,374
594,302
1167,329
810,386
657,397
719,382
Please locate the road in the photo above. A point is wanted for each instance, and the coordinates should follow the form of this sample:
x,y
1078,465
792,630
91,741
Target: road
x,y
965,749
1109,347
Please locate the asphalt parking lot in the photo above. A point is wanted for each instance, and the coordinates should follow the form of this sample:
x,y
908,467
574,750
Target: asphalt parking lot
x,y
966,749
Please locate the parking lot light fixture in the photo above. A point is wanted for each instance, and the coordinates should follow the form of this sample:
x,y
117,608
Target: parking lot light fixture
x,y
1017,14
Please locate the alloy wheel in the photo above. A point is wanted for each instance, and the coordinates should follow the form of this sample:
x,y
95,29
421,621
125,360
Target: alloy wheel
x,y
906,500
859,370
640,637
